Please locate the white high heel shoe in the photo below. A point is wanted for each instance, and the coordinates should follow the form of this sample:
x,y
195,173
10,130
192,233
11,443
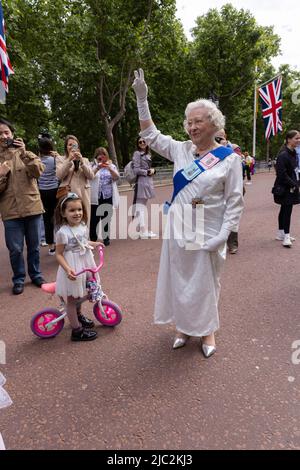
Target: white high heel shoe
x,y
208,350
180,341
150,234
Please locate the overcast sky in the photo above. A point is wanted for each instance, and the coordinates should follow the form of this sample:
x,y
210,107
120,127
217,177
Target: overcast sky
x,y
284,15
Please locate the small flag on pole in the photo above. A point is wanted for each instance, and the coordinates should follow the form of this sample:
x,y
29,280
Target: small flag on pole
x,y
5,65
271,103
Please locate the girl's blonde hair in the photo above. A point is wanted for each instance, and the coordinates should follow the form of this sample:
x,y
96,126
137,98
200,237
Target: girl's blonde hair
x,y
61,207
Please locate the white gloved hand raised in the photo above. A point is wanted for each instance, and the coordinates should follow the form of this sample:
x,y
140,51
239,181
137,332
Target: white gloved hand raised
x,y
139,85
214,243
141,90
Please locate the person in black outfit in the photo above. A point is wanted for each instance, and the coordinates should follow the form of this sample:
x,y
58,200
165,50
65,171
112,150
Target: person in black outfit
x,y
48,184
286,186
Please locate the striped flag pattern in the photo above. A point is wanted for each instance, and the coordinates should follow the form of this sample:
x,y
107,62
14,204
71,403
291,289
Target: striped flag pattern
x,y
5,65
271,103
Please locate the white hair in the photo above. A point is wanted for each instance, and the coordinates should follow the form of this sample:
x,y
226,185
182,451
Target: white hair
x,y
214,114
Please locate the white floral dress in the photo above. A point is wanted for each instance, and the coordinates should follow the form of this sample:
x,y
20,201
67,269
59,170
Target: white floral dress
x,y
79,255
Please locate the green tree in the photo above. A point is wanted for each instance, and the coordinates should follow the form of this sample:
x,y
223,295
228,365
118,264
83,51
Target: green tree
x,y
229,52
25,104
74,63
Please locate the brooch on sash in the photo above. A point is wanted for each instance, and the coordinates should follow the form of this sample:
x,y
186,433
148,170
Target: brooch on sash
x,y
196,201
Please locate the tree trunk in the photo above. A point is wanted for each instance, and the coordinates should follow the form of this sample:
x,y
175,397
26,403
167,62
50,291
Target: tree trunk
x,y
109,122
110,141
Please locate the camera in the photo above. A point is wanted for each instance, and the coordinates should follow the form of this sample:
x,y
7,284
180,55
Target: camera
x,y
10,143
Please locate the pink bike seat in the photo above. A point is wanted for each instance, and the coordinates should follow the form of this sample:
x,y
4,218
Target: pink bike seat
x,y
49,287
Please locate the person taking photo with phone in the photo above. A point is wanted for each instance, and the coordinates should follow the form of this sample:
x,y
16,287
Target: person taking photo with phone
x,y
104,194
74,171
20,206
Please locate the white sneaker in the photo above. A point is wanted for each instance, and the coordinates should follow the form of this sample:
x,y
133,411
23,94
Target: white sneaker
x,y
280,237
148,235
44,243
287,240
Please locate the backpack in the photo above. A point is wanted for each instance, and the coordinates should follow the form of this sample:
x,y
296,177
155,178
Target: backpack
x,y
129,174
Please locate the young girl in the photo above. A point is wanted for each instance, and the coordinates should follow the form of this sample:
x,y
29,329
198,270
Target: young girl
x,y
74,253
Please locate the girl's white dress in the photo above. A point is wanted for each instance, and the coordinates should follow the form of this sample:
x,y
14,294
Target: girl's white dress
x,y
79,255
188,285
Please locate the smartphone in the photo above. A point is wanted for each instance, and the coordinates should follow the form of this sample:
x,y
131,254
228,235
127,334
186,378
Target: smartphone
x,y
10,143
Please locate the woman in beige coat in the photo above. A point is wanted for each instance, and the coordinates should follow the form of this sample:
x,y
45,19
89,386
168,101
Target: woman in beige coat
x,y
74,170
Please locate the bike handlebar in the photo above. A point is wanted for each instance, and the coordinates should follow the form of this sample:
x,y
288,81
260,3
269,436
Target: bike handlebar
x,y
94,270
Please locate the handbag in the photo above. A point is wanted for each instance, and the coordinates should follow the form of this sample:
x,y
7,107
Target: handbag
x,y
63,191
129,173
278,190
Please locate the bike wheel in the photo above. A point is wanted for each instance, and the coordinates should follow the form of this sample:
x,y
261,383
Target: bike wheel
x,y
113,315
40,320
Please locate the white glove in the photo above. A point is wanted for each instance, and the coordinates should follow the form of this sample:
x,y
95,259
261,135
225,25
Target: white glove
x,y
214,243
141,90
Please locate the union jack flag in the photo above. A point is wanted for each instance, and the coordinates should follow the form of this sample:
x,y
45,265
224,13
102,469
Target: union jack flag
x,y
271,103
5,65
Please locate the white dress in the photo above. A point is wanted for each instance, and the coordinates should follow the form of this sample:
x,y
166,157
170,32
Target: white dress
x,y
188,285
79,255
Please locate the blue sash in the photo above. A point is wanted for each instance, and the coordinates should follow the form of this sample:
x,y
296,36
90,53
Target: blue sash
x,y
188,174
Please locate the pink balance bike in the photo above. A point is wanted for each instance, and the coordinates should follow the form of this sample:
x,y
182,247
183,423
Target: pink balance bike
x,y
49,322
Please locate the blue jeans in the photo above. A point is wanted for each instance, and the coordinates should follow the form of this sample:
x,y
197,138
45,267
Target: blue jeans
x,y
42,227
15,232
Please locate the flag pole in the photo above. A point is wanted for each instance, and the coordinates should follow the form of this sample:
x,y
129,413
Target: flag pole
x,y
268,149
254,118
270,80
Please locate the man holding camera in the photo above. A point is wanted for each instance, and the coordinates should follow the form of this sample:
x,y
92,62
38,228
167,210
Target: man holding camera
x,y
20,206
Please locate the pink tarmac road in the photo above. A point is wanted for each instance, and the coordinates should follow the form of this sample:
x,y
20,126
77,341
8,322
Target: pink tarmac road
x,y
129,389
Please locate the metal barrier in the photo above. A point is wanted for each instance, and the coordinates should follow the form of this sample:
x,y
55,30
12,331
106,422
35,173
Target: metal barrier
x,y
165,175
161,177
